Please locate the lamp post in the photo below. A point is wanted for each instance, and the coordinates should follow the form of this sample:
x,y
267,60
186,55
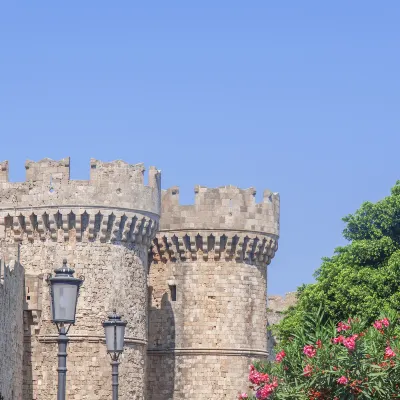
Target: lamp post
x,y
114,329
64,292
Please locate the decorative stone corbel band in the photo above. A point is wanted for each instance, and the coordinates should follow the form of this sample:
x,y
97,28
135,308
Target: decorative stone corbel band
x,y
187,246
84,224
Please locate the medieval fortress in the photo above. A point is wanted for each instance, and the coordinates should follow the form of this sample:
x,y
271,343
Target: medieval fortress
x,y
190,280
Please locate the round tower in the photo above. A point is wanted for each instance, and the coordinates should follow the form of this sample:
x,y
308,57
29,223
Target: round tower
x,y
104,228
208,292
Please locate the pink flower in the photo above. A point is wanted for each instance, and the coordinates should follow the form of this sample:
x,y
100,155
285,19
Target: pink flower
x,y
256,377
307,370
266,391
389,352
319,343
350,342
309,351
378,325
343,327
280,356
342,380
243,396
338,339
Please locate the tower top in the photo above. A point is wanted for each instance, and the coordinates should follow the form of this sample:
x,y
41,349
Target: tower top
x,y
114,204
224,223
223,208
112,184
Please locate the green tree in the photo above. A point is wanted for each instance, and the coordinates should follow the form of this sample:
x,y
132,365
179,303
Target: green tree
x,y
360,279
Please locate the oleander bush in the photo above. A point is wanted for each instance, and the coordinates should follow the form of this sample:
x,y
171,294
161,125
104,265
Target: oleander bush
x,y
352,359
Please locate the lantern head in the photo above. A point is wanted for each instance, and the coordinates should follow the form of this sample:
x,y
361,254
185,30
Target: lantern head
x,y
114,328
64,290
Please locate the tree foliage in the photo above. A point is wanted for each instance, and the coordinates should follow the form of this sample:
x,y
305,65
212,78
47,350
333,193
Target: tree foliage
x,y
360,279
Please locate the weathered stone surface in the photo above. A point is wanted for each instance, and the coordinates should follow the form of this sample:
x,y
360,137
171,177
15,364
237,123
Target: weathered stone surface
x,y
11,323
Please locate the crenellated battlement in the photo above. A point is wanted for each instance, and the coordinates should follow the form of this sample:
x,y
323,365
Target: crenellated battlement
x,y
223,208
4,171
47,170
112,184
114,204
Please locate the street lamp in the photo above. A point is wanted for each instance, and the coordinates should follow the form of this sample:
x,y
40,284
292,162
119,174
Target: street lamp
x,y
114,329
64,292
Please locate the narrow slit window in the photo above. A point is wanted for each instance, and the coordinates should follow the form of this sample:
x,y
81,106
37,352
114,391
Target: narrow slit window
x,y
173,292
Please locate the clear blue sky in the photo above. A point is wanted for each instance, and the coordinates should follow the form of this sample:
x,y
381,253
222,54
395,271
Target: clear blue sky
x,y
302,97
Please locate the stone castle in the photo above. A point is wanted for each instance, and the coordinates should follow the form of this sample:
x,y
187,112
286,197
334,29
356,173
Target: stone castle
x,y
189,279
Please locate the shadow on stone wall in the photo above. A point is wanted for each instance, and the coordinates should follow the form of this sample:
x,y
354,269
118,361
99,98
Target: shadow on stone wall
x,y
27,377
27,358
161,350
11,322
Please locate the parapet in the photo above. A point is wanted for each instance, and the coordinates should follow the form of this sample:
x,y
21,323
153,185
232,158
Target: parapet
x,y
276,307
114,184
224,208
279,304
114,203
224,224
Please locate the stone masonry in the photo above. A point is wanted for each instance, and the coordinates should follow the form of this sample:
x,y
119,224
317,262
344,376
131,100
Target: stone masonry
x,y
276,306
191,286
208,295
11,323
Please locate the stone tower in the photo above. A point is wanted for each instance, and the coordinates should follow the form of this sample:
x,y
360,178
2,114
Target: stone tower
x,y
104,228
207,292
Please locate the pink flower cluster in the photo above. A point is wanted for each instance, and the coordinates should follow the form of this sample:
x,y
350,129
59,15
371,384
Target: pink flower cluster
x,y
243,396
348,342
267,386
280,356
389,353
343,380
307,370
338,339
309,351
266,391
257,378
380,323
343,327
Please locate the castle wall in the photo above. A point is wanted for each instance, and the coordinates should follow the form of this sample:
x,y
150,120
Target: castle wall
x,y
213,255
115,276
276,306
11,325
103,227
